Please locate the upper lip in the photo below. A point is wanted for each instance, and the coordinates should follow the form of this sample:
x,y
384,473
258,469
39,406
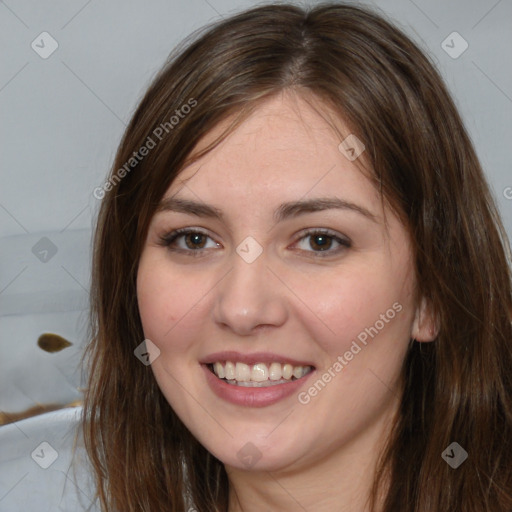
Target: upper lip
x,y
251,359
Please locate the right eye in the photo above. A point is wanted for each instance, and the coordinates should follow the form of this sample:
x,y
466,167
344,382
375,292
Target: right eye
x,y
186,240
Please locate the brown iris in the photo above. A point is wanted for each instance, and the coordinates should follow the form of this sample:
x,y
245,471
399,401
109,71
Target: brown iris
x,y
198,240
320,242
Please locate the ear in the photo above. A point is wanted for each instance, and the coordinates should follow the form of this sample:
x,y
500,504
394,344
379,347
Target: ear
x,y
425,326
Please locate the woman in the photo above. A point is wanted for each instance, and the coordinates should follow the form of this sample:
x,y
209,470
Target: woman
x,y
301,297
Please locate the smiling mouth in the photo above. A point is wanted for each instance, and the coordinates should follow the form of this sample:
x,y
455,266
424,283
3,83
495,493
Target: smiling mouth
x,y
258,375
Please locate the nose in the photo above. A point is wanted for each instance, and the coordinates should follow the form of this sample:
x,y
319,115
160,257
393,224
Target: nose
x,y
249,298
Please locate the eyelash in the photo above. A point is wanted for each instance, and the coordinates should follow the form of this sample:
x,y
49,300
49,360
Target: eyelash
x,y
169,238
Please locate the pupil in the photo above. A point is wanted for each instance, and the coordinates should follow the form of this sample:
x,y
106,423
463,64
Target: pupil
x,y
195,239
321,241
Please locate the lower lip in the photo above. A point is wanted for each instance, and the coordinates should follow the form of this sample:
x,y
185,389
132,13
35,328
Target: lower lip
x,y
253,397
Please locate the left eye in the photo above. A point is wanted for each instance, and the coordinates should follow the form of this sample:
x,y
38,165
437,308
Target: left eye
x,y
322,241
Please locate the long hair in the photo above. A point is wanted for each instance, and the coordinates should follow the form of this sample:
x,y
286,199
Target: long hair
x,y
457,388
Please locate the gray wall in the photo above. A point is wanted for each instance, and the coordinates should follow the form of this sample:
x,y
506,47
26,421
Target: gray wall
x,y
62,117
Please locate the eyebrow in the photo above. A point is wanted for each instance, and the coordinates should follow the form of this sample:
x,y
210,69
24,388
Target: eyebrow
x,y
284,211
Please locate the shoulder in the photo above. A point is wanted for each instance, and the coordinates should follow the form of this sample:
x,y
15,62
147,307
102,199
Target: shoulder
x,y
40,469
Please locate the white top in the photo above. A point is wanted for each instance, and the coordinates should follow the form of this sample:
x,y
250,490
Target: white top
x,y
36,470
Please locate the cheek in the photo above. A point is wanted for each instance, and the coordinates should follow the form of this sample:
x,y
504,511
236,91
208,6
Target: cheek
x,y
359,304
172,302
369,314
162,299
153,303
166,306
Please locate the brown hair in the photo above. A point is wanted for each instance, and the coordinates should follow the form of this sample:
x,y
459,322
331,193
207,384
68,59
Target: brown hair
x,y
457,388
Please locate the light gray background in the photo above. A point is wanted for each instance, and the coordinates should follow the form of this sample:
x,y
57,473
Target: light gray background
x,y
62,119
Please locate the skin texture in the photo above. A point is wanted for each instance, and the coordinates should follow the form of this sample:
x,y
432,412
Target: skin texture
x,y
293,299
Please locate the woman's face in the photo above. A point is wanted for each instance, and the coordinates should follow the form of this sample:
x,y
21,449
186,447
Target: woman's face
x,y
289,264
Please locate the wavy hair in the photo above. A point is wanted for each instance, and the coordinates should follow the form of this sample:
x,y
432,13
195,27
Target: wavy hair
x,y
456,388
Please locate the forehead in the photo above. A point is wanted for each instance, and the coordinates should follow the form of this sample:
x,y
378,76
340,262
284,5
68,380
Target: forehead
x,y
285,145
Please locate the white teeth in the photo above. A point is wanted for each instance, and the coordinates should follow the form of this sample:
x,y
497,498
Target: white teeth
x,y
259,372
266,384
219,370
275,373
229,370
287,371
242,372
297,371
